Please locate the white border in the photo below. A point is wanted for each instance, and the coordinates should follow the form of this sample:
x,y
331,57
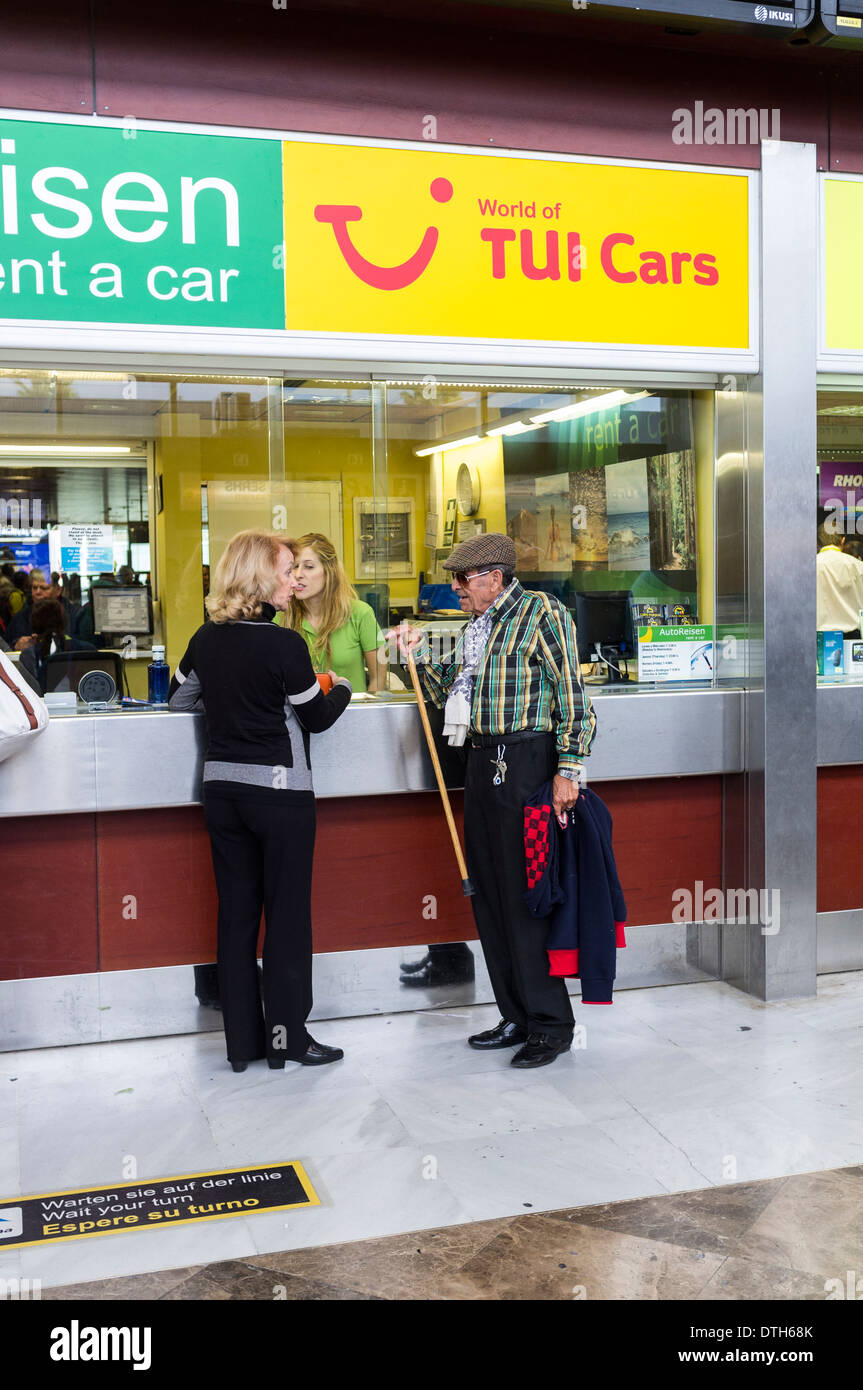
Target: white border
x,y
831,359
513,352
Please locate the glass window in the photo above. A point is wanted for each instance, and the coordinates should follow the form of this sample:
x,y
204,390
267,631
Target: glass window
x,y
607,493
102,476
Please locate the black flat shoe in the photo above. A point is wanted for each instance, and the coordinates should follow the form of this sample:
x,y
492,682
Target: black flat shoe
x,y
238,1066
318,1054
276,1063
433,975
504,1035
539,1050
414,965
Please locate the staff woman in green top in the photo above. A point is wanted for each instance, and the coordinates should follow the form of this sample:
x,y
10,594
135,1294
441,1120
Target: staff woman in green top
x,y
341,631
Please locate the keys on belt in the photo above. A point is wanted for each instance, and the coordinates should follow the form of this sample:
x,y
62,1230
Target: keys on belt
x,y
500,776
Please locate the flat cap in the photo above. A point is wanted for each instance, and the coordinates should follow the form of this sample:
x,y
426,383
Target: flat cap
x,y
479,552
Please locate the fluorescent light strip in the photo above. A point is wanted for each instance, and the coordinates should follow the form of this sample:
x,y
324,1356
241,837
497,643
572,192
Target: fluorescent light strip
x,y
572,412
535,422
514,427
448,444
65,449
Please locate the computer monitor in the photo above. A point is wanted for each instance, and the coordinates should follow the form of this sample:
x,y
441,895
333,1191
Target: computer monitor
x,y
604,625
63,670
120,608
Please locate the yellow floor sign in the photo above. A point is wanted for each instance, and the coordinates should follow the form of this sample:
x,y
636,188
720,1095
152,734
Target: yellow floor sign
x,y
152,1205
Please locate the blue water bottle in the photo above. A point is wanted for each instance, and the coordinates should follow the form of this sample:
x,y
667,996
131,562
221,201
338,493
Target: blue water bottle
x,y
158,677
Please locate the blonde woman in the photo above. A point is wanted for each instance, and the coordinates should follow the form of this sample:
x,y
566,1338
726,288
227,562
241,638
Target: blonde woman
x,y
261,698
339,629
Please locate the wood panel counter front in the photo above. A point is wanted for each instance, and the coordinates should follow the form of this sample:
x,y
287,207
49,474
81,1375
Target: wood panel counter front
x,y
133,889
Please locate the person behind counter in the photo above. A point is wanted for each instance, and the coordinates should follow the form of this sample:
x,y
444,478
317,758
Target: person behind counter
x,y
339,629
261,699
839,581
7,613
19,582
20,628
48,621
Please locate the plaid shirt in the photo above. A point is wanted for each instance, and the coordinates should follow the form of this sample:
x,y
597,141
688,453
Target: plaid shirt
x,y
529,676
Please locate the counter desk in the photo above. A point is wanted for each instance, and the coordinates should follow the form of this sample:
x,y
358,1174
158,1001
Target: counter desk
x,y
105,859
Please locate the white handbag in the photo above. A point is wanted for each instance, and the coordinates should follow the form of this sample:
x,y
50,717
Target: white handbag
x,y
22,712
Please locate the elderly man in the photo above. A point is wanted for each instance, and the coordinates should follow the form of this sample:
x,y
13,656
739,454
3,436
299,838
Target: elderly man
x,y
513,693
19,633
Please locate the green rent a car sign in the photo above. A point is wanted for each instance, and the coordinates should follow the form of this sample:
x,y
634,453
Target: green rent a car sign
x,y
104,224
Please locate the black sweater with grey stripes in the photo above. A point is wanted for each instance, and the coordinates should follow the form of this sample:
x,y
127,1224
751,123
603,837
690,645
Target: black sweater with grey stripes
x,y
257,688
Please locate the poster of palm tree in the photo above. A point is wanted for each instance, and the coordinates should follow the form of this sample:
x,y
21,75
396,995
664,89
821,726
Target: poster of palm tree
x,y
671,504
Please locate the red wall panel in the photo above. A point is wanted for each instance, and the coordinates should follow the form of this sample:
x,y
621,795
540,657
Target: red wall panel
x,y
840,864
576,85
46,58
157,895
361,76
48,900
667,835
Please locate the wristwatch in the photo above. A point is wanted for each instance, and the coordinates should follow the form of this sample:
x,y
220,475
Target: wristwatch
x,y
572,774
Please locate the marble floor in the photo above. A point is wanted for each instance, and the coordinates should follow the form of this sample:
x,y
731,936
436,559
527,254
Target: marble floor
x,y
673,1090
778,1239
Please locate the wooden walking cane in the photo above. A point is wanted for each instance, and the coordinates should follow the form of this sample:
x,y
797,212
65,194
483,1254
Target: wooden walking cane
x,y
466,885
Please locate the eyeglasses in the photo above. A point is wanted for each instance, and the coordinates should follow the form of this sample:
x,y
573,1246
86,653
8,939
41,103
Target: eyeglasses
x,y
464,578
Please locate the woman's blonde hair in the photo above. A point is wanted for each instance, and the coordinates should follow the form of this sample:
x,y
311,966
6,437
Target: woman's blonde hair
x,y
336,598
245,575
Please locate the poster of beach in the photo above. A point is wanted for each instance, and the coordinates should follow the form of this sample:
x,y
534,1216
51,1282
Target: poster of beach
x,y
628,511
589,518
553,530
522,523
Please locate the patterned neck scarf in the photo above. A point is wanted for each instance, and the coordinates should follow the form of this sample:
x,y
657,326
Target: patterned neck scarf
x,y
458,706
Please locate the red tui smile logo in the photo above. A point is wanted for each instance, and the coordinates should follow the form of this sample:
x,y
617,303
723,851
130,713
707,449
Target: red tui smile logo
x,y
381,277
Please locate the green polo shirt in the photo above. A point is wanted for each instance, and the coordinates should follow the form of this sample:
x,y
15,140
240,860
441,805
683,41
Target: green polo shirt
x,y
359,634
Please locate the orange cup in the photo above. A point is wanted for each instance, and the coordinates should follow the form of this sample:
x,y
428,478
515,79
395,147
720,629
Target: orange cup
x,y
325,683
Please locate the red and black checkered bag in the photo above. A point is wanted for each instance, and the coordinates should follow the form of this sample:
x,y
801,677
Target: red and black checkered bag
x,y
537,820
541,853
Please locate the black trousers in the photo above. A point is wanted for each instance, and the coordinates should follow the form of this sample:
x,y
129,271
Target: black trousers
x,y
513,942
263,842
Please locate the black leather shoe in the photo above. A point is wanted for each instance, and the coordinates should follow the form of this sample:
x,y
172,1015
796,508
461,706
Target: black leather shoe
x,y
238,1066
413,966
504,1035
433,975
318,1054
539,1050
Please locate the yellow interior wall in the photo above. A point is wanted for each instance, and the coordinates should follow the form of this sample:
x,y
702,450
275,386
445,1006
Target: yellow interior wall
x,y
703,431
240,455
349,461
487,458
188,454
